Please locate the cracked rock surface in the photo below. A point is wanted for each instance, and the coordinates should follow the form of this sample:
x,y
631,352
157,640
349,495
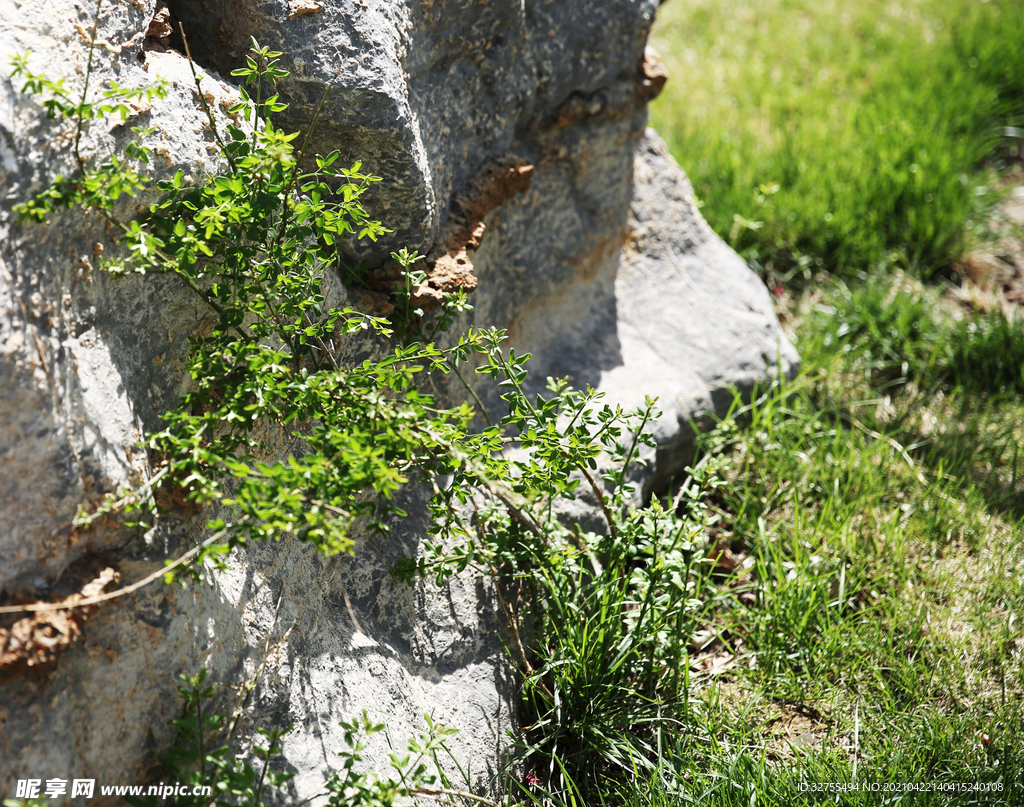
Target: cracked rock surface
x,y
593,256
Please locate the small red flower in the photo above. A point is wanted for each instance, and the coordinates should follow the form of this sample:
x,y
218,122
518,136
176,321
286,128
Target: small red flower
x,y
986,740
532,779
777,291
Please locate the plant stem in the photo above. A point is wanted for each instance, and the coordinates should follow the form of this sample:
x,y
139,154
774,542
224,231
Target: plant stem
x,y
79,124
272,739
612,531
64,606
204,104
471,391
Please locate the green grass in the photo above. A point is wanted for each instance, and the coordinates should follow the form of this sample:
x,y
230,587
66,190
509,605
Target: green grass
x,y
845,135
866,627
878,504
875,505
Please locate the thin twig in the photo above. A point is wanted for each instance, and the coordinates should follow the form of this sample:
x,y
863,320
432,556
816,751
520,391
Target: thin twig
x,y
202,101
125,500
351,612
330,353
513,626
311,797
518,512
85,89
601,500
471,391
292,180
439,793
636,438
168,260
145,581
250,685
678,498
316,116
510,617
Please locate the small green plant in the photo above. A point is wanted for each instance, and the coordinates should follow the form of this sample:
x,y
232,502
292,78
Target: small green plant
x,y
201,755
605,670
412,777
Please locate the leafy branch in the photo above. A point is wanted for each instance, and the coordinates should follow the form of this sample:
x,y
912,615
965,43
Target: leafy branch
x,y
255,244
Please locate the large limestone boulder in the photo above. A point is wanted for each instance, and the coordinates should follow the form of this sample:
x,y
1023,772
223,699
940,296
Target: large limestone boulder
x,y
511,139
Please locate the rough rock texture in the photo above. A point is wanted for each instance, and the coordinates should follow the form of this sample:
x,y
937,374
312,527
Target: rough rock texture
x,y
596,261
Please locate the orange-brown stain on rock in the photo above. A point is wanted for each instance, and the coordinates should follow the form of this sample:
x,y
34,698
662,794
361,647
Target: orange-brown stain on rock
x,y
448,265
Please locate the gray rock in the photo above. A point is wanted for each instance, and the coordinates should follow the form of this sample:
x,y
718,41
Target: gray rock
x,y
601,267
695,325
423,92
